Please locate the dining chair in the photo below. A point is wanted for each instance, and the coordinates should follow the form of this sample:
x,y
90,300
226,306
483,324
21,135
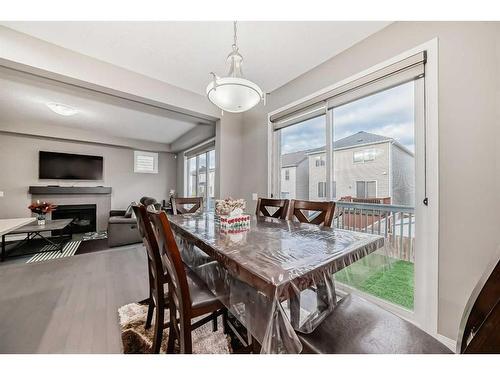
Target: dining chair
x,y
188,294
323,216
157,278
264,203
479,330
359,326
179,205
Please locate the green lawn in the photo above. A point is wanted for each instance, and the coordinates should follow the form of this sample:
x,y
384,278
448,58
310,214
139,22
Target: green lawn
x,y
392,283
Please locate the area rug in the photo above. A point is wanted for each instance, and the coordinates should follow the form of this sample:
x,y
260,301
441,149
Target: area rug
x,y
49,252
137,340
74,247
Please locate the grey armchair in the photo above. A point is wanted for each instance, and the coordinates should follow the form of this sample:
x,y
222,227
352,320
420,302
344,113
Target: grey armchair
x,y
122,229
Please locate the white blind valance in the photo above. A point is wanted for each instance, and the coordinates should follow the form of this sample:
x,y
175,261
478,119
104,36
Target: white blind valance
x,y
403,71
201,149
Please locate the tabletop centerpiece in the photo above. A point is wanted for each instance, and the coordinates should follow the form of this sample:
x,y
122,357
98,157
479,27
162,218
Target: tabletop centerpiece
x,y
41,209
229,213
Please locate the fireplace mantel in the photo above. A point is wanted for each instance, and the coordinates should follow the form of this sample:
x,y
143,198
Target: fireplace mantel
x,y
76,195
52,190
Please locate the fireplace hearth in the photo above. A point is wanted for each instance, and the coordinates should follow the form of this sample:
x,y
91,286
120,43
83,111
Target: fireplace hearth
x,y
83,215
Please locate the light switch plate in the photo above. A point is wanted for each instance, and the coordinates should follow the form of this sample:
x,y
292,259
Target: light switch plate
x,y
1,194
255,196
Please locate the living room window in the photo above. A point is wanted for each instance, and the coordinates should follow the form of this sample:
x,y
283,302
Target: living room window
x,y
200,174
145,162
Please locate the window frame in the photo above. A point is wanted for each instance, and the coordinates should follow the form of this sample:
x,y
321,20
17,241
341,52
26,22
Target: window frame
x,y
154,155
364,154
366,187
322,184
206,197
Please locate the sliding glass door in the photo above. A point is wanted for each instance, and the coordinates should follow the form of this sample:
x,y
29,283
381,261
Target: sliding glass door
x,y
359,150
200,177
373,152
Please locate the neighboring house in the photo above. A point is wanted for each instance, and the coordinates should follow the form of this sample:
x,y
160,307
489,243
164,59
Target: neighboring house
x,y
294,175
366,165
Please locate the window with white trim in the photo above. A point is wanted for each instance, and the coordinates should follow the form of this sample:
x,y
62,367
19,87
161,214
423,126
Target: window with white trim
x,y
366,189
145,162
321,189
364,155
200,172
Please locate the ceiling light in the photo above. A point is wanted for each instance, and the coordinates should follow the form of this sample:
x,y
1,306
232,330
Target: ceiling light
x,y
62,109
234,93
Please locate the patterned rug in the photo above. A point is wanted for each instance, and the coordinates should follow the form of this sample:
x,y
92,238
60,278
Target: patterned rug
x,y
71,248
52,252
137,340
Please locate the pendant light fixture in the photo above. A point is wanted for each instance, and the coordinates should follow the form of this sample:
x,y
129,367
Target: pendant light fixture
x,y
234,93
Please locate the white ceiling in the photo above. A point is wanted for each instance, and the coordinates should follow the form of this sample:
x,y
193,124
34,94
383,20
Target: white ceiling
x,y
24,98
183,53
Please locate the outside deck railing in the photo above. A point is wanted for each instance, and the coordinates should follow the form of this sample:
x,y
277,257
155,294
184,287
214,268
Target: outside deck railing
x,y
396,223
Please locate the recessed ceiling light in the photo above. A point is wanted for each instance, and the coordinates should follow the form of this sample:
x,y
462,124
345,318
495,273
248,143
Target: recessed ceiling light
x,y
62,109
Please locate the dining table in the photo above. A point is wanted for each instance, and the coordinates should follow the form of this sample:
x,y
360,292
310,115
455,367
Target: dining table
x,y
275,276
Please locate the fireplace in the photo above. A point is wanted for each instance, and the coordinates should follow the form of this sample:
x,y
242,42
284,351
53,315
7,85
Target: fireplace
x,y
83,215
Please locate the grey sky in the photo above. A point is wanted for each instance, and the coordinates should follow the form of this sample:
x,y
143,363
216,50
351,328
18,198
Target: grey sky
x,y
389,113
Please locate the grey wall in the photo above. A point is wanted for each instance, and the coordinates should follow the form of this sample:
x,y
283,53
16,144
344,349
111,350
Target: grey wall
x,y
19,166
469,141
229,154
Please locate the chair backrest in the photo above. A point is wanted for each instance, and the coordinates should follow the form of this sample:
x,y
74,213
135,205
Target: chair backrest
x,y
178,205
264,203
480,326
324,215
172,262
155,268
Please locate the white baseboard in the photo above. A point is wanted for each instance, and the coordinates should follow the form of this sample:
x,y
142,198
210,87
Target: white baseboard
x,y
451,344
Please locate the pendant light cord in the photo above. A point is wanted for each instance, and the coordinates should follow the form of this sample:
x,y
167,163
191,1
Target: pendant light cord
x,y
235,29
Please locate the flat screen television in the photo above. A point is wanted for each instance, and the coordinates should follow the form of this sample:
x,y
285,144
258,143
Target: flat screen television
x,y
62,166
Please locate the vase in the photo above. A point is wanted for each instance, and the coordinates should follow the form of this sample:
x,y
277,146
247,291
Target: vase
x,y
41,219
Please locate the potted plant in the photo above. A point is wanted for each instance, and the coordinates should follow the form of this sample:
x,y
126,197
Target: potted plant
x,y
41,209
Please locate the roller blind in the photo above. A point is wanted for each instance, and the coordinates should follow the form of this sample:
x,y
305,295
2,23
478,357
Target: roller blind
x,y
403,71
200,150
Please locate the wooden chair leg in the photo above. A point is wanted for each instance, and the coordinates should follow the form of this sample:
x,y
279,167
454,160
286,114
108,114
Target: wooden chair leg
x,y
214,322
151,308
159,317
172,330
186,344
225,329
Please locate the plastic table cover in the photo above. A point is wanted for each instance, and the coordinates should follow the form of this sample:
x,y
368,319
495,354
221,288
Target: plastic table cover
x,y
275,277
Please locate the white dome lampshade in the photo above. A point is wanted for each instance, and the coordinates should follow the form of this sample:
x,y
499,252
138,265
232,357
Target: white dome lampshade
x,y
234,93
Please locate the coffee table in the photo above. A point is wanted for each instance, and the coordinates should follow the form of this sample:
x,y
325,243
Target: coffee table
x,y
33,230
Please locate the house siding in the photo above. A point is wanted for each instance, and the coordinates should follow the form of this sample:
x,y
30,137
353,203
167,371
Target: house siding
x,y
403,177
302,182
316,175
288,186
346,172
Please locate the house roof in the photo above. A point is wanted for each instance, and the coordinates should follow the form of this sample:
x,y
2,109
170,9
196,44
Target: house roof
x,y
358,139
293,159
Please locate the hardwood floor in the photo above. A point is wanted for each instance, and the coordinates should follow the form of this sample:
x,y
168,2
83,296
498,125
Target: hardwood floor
x,y
70,305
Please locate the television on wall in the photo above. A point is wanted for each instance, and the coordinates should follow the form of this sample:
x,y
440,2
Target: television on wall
x,y
62,166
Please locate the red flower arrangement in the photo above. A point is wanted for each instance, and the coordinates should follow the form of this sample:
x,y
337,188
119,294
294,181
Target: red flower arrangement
x,y
42,208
